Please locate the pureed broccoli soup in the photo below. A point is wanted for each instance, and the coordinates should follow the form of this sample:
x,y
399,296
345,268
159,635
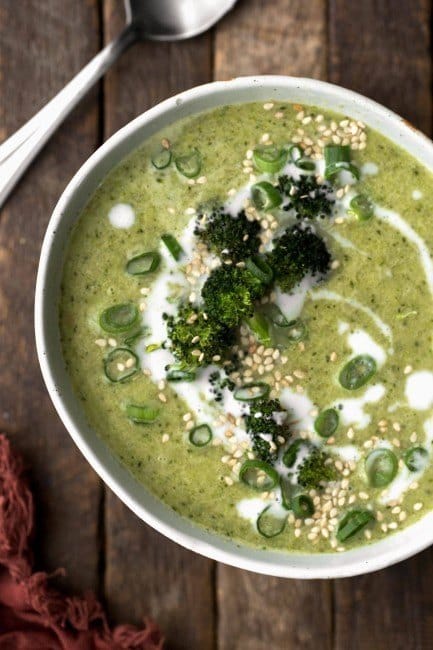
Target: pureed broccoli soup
x,y
246,317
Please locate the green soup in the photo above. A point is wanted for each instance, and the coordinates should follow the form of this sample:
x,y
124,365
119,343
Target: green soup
x,y
246,317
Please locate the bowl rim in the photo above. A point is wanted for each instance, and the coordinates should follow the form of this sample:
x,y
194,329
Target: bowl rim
x,y
188,534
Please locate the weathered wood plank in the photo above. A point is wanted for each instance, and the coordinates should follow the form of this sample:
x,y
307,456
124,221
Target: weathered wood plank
x,y
382,49
146,573
279,37
42,44
258,612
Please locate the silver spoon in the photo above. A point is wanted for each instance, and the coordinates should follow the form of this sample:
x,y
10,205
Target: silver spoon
x,y
160,20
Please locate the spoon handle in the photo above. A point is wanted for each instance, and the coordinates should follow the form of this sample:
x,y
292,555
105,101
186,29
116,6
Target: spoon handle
x,y
17,152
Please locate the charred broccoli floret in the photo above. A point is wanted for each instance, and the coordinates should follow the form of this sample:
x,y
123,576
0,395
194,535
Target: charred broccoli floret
x,y
234,238
195,339
316,470
267,425
229,294
297,252
309,199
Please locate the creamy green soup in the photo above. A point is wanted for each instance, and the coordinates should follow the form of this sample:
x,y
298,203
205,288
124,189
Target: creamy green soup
x,y
246,317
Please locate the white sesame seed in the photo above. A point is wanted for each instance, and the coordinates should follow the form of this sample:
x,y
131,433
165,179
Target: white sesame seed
x,y
417,506
162,397
190,211
120,367
268,106
407,370
112,342
228,480
101,343
165,437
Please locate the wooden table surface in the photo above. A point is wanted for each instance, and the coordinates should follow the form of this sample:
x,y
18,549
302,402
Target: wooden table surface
x,y
381,48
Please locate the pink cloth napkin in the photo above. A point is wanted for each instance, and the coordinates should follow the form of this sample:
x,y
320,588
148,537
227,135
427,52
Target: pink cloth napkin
x,y
33,616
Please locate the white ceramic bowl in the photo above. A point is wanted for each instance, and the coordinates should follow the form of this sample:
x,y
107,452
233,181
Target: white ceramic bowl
x,y
248,89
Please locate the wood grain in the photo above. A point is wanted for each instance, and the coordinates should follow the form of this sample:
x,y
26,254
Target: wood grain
x,y
278,37
259,612
382,49
42,44
146,573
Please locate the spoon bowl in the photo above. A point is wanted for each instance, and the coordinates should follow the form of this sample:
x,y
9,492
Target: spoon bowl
x,y
173,20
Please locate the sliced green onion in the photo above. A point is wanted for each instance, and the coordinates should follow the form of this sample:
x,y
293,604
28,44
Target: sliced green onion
x,y
265,196
276,316
144,263
152,347
269,525
291,454
296,330
287,490
260,327
269,159
302,506
297,157
337,159
415,458
381,466
135,336
326,423
161,158
357,372
407,314
258,475
120,364
142,414
189,164
362,207
258,266
201,435
336,153
180,374
173,246
352,522
119,318
252,392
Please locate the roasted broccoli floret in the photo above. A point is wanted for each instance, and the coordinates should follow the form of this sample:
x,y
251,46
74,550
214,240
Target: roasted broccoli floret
x,y
234,238
229,294
309,199
195,339
267,425
316,470
297,252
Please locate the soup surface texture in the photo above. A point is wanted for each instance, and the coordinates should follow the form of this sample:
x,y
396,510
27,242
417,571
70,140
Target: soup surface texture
x,y
246,316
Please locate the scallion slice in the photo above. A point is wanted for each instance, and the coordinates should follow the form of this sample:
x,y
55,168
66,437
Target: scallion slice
x,y
276,316
135,336
120,364
302,506
269,524
258,266
265,196
287,490
258,475
352,522
337,159
252,392
269,159
415,458
142,414
201,435
189,164
326,423
297,157
381,466
119,318
173,246
291,454
260,327
296,330
362,207
144,263
180,374
357,372
161,158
